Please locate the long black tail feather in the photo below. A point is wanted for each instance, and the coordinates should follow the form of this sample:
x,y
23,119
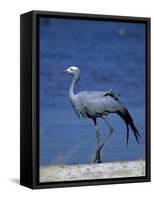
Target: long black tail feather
x,y
124,114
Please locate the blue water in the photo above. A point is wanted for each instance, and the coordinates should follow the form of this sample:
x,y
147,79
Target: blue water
x,y
109,55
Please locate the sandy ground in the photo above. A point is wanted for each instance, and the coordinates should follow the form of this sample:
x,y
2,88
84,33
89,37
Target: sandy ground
x,y
119,169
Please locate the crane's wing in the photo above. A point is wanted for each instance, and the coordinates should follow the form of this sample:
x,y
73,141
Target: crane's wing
x,y
95,104
93,94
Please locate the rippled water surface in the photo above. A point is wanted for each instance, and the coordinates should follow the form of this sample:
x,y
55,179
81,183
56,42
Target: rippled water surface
x,y
109,55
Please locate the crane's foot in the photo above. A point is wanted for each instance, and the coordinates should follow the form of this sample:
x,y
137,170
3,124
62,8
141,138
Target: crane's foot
x,y
97,157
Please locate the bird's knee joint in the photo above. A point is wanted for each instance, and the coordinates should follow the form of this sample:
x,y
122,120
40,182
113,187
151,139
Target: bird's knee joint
x,y
97,134
111,130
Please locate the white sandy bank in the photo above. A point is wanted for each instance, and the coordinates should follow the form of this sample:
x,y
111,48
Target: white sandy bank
x,y
92,171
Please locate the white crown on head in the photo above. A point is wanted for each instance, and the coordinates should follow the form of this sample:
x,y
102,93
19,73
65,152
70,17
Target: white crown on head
x,y
73,67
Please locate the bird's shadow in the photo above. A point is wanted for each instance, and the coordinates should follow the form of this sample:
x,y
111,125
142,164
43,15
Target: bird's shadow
x,y
15,180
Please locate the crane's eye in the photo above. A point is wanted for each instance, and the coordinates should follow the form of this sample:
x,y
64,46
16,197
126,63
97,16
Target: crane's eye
x,y
71,69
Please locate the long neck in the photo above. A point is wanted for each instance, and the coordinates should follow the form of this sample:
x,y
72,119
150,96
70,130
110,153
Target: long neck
x,y
71,89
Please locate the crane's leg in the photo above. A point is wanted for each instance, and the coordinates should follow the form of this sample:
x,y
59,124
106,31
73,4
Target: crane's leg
x,y
110,133
97,155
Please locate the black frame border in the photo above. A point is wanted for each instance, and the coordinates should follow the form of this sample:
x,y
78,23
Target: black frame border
x,y
30,23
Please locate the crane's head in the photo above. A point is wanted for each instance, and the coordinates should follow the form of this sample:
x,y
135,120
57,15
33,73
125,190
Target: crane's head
x,y
72,70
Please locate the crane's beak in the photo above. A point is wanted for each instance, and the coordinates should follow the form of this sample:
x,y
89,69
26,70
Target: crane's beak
x,y
63,71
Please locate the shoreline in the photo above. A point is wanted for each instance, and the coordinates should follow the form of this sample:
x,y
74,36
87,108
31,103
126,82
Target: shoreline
x,y
116,169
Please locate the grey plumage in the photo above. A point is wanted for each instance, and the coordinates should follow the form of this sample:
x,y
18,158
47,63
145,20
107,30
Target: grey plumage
x,y
98,104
